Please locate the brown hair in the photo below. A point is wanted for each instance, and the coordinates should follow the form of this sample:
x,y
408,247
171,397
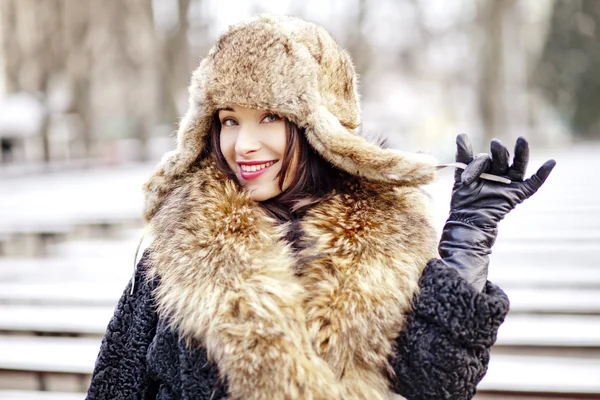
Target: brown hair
x,y
315,177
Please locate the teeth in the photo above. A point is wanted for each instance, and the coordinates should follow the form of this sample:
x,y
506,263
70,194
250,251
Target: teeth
x,y
254,168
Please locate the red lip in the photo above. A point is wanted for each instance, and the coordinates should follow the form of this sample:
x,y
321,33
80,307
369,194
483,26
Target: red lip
x,y
255,174
253,162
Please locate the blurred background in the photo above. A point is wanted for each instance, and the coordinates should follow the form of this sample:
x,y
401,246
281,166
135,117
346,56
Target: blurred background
x,y
91,93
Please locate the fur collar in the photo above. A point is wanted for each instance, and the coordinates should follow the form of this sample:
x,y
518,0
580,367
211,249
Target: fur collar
x,y
316,323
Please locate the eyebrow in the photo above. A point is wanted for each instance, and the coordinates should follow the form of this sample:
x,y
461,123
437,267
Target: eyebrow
x,y
225,109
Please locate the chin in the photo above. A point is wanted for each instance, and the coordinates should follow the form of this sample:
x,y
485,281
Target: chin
x,y
262,194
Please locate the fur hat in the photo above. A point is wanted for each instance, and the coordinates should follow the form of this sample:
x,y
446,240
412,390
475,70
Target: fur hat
x,y
295,69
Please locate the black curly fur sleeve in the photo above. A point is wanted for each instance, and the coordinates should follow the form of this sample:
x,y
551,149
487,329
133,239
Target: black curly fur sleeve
x,y
444,350
121,369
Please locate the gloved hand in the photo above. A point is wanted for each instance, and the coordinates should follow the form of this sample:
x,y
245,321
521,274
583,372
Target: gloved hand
x,y
477,204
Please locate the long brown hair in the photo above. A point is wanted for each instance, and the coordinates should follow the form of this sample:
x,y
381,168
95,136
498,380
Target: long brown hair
x,y
315,177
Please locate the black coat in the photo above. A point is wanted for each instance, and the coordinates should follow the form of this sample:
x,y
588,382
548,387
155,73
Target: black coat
x,y
442,353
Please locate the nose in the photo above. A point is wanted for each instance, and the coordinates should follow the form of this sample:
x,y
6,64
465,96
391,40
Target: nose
x,y
247,141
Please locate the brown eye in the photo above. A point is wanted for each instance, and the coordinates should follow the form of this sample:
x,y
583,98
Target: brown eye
x,y
272,118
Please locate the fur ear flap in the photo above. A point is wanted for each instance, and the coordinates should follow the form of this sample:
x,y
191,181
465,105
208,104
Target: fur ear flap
x,y
191,141
162,181
355,155
376,138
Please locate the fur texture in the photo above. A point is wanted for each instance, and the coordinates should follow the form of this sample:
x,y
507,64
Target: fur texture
x,y
293,68
322,320
441,353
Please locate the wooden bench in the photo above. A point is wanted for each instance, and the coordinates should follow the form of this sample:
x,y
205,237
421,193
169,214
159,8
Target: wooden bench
x,y
582,301
82,197
38,395
521,275
71,269
47,363
542,375
544,255
72,320
550,331
518,330
76,293
506,374
39,239
523,300
48,354
121,248
32,210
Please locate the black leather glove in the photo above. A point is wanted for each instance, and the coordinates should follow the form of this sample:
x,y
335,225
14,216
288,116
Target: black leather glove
x,y
478,204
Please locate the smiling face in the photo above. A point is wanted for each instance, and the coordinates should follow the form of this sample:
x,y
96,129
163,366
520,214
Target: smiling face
x,y
253,143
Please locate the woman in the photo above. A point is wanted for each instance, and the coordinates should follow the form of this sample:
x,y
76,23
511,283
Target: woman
x,y
291,258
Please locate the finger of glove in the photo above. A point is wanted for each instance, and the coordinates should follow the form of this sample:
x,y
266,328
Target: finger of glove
x,y
537,180
500,157
480,164
464,154
517,170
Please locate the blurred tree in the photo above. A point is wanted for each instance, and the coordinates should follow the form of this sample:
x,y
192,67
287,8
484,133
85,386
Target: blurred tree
x,y
90,60
492,64
356,43
123,75
33,48
569,69
173,61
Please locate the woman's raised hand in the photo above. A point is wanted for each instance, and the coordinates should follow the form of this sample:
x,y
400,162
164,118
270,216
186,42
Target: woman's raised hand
x,y
477,205
487,201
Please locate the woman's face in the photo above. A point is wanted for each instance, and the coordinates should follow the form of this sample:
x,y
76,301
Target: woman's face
x,y
253,143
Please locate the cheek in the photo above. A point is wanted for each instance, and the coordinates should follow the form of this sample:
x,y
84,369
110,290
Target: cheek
x,y
228,148
279,141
